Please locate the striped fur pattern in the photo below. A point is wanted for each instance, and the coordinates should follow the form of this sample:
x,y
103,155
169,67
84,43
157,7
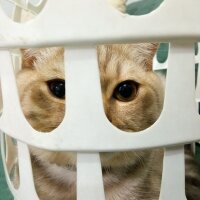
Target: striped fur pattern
x,y
127,175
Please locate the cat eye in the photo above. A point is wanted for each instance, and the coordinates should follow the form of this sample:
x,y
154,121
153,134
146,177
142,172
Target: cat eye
x,y
126,91
57,88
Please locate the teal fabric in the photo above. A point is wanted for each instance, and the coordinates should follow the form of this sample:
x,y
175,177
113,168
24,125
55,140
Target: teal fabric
x,y
4,191
197,151
162,53
143,7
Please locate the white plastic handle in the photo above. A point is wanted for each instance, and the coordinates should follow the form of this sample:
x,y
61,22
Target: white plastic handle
x,y
89,177
173,176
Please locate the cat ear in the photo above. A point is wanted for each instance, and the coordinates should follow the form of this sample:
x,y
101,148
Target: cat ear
x,y
146,53
29,57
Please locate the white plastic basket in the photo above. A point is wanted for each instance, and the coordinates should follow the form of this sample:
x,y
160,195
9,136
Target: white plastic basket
x,y
178,124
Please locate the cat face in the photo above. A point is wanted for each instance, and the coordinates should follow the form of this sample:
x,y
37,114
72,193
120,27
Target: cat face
x,y
132,94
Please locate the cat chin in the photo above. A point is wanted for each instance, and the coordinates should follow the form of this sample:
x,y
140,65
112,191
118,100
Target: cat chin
x,y
121,159
62,174
61,159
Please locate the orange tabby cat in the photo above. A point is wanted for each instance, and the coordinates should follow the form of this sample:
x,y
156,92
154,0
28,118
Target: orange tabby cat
x,y
133,98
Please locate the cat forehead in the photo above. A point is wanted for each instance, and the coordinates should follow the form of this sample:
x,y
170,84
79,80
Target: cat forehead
x,y
49,62
114,60
123,60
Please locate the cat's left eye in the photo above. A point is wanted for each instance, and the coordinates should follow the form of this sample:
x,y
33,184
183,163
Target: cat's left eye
x,y
57,88
126,91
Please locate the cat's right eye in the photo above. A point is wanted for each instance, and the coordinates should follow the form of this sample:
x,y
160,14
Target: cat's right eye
x,y
57,88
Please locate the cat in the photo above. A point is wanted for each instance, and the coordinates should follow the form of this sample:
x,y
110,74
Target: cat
x,y
133,99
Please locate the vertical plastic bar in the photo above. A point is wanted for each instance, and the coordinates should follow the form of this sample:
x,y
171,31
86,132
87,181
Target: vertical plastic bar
x,y
27,186
16,59
8,85
17,13
78,82
89,177
180,62
173,176
3,154
197,57
82,83
197,60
